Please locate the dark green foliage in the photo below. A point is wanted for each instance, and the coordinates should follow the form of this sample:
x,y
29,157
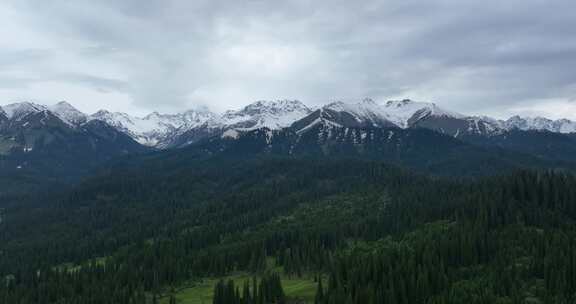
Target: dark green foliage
x,y
372,233
544,144
319,292
268,290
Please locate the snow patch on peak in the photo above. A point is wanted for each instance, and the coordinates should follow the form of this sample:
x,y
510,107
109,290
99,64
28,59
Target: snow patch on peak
x,y
273,115
565,126
339,106
18,110
68,113
540,124
406,110
321,121
365,112
274,107
400,113
193,118
115,119
233,134
279,103
154,129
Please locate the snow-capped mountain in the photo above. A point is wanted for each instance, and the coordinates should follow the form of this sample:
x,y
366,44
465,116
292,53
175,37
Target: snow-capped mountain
x,y
35,138
68,113
63,110
541,124
169,130
405,113
154,129
368,113
175,130
16,111
340,114
400,114
273,115
564,126
412,114
42,142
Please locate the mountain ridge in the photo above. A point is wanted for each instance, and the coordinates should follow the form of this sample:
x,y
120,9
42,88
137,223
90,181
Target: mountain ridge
x,y
176,130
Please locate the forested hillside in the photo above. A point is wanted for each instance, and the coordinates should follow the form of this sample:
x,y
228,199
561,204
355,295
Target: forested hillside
x,y
359,231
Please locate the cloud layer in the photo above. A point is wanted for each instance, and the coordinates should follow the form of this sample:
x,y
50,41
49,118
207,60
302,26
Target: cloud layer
x,y
484,57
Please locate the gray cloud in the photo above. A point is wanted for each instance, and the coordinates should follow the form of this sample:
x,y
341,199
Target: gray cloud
x,y
490,57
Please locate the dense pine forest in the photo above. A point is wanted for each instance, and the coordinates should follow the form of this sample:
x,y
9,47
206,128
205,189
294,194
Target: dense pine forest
x,y
361,231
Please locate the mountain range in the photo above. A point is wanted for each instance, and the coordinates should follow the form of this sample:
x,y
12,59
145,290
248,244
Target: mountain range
x,y
61,140
175,130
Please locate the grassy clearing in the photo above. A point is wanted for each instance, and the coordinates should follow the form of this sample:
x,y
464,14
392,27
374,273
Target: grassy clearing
x,y
303,288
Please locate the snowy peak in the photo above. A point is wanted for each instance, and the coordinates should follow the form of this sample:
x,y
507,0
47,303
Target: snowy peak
x,y
68,113
181,121
564,126
115,119
17,111
411,114
197,117
154,129
273,115
397,113
400,112
365,113
137,128
172,130
407,112
540,124
278,107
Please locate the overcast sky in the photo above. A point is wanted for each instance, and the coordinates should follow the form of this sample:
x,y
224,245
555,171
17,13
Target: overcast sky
x,y
494,57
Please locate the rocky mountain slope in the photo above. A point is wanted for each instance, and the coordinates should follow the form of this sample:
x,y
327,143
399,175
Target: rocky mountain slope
x,y
56,141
